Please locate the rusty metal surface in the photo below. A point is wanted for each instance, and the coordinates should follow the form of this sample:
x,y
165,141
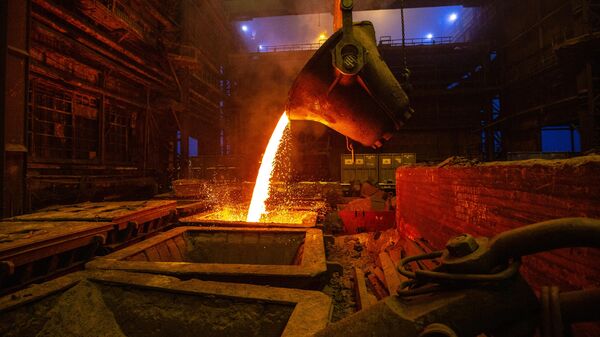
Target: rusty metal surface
x,y
133,220
166,254
119,212
311,309
23,242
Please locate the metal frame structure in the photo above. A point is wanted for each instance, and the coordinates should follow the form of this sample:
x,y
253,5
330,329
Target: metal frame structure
x,y
106,85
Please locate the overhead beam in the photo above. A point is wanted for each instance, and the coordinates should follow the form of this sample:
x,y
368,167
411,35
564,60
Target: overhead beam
x,y
246,10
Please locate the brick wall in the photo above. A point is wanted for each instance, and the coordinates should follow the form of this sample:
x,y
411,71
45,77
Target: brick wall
x,y
437,203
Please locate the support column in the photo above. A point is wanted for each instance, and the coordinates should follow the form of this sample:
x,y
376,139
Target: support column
x,y
185,125
14,63
586,115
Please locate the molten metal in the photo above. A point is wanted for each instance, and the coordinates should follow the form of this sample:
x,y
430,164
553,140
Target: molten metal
x,y
261,188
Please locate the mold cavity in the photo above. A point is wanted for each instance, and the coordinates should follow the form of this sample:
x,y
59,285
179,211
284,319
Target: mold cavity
x,y
227,247
112,310
243,247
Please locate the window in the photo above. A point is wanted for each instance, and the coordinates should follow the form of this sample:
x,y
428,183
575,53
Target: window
x,y
193,147
560,138
63,125
119,129
495,135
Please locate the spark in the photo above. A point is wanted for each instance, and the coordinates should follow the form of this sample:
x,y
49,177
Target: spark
x,y
265,172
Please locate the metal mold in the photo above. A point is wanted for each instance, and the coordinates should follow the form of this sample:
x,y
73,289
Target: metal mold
x,y
133,219
129,304
34,251
224,218
187,208
273,256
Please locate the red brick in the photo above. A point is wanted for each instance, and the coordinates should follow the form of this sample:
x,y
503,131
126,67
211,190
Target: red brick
x,y
438,203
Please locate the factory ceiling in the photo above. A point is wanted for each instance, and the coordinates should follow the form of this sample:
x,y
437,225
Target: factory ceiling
x,y
244,9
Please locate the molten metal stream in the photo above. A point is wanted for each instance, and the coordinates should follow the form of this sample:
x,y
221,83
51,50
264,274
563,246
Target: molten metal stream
x,y
261,189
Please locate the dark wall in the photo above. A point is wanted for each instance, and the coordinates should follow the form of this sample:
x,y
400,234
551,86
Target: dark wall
x,y
548,74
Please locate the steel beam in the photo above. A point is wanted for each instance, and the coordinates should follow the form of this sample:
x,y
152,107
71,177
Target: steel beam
x,y
244,9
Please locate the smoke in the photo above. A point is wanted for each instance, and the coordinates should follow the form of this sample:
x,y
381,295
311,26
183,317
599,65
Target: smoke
x,y
263,81
282,30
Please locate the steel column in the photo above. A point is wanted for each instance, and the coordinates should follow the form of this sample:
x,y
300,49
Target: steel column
x,y
15,65
586,114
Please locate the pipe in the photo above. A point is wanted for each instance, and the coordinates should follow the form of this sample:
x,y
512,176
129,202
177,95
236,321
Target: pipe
x,y
544,236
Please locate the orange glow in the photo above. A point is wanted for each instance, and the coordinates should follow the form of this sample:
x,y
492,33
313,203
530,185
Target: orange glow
x,y
322,38
261,188
234,214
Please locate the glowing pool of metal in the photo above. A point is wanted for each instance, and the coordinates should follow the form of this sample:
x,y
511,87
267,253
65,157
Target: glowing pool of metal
x,y
237,218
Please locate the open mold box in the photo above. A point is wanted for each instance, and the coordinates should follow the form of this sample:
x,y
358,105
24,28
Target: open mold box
x,y
286,257
235,218
113,303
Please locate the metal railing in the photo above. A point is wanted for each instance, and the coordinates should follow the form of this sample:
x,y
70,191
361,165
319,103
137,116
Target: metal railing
x,y
289,47
386,41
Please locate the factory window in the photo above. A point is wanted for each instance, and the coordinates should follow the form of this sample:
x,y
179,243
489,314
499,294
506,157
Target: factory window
x,y
119,130
62,124
560,138
193,147
497,133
